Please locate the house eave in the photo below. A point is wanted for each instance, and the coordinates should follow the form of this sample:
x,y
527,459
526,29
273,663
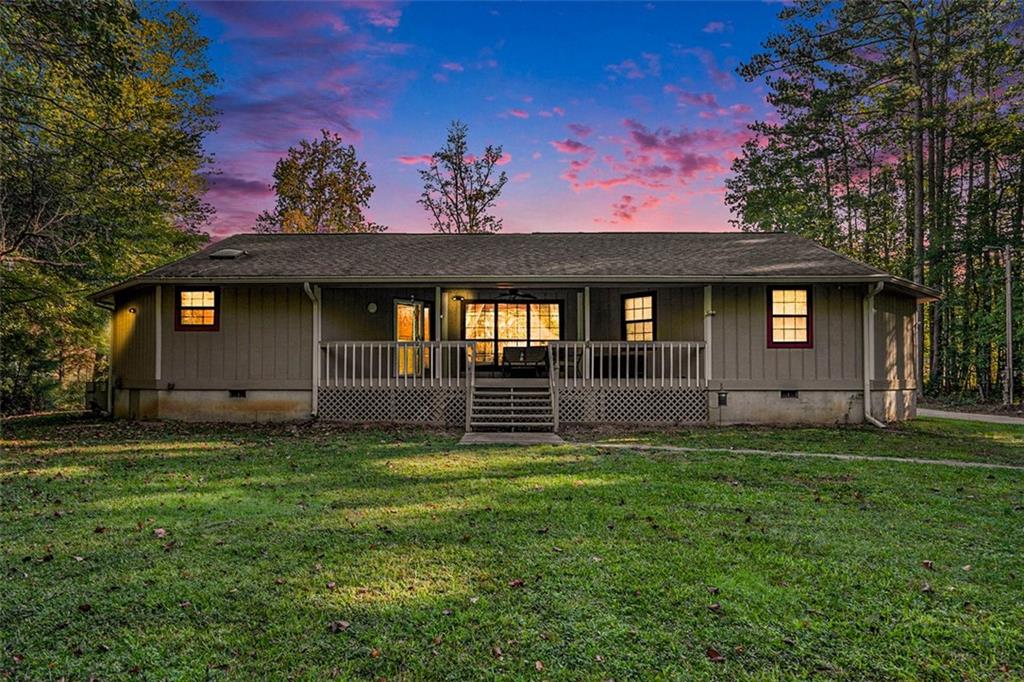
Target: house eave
x,y
910,288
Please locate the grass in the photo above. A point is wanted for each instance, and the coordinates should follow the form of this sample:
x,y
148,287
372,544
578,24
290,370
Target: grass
x,y
227,552
921,438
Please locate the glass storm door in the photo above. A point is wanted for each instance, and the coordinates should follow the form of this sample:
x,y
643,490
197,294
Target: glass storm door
x,y
411,326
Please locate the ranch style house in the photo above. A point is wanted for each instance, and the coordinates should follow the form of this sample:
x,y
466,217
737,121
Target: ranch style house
x,y
514,332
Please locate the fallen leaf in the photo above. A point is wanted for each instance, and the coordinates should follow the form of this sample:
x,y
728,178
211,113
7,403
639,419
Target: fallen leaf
x,y
337,626
543,530
715,608
967,567
713,590
927,588
714,656
160,532
100,529
331,585
599,658
929,564
538,665
185,604
518,582
436,640
375,653
85,608
79,558
473,600
279,581
497,652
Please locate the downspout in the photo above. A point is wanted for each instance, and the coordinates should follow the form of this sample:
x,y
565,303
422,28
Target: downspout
x,y
869,350
314,297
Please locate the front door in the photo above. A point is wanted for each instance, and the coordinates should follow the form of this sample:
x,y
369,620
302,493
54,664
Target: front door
x,y
412,325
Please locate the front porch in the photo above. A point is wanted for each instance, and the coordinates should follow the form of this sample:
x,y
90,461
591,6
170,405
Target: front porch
x,y
444,356
440,383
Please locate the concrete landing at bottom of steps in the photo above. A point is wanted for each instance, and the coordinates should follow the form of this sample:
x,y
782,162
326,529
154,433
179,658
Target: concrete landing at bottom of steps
x,y
511,438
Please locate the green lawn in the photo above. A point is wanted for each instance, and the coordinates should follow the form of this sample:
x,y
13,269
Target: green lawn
x,y
163,551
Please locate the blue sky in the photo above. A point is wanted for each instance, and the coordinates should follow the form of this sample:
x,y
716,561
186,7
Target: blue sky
x,y
613,116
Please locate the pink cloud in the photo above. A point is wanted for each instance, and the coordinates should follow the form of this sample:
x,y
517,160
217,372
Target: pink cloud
x,y
505,158
714,27
519,113
631,70
570,146
723,79
626,208
740,109
412,160
453,66
683,97
440,77
521,177
558,111
536,155
580,130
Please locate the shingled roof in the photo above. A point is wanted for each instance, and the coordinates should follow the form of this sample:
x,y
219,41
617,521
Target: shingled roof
x,y
585,257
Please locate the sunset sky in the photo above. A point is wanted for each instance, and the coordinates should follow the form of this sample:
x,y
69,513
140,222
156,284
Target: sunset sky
x,y
612,116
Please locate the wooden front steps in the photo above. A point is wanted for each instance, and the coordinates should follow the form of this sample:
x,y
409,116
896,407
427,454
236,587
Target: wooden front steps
x,y
512,405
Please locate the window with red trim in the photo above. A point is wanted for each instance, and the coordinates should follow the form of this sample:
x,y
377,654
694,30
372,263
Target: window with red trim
x,y
790,323
197,309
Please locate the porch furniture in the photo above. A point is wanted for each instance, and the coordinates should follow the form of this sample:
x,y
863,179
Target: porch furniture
x,y
533,358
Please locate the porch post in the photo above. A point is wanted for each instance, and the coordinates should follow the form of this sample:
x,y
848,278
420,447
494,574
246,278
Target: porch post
x,y
586,333
709,314
314,297
437,336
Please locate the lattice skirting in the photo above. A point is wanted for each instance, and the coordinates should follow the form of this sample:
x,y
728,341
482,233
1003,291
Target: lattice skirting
x,y
437,406
632,405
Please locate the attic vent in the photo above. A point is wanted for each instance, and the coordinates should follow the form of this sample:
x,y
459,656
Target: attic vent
x,y
227,254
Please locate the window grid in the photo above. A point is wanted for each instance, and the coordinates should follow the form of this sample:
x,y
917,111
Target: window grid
x,y
789,318
638,317
497,325
197,310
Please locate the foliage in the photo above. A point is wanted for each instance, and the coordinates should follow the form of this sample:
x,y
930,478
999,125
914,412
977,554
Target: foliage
x,y
321,186
101,162
899,141
459,189
270,552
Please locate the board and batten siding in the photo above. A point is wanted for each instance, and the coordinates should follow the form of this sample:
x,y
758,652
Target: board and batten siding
x,y
264,342
678,312
134,342
894,342
345,315
742,359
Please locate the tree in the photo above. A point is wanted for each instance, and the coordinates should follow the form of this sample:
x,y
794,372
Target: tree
x,y
459,189
321,186
101,173
900,141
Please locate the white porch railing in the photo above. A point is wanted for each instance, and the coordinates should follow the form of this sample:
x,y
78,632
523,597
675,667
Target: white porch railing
x,y
628,364
387,364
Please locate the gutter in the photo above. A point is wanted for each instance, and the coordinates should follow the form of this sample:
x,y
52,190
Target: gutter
x,y
869,350
314,297
922,293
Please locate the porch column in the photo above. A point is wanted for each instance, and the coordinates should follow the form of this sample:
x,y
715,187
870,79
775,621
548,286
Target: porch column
x,y
588,368
709,314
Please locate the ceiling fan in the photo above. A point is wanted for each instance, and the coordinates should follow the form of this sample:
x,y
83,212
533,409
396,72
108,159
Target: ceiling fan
x,y
516,294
